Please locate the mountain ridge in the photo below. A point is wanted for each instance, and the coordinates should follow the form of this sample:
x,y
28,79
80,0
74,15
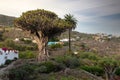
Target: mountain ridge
x,y
6,20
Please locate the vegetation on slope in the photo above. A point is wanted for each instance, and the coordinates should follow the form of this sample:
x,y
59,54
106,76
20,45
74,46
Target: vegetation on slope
x,y
6,20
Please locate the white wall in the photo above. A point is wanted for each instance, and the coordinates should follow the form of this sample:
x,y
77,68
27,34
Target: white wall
x,y
7,55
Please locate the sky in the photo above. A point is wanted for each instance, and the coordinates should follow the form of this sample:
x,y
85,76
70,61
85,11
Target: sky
x,y
94,16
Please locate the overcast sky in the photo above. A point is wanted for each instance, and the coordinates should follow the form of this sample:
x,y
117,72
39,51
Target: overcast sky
x,y
94,16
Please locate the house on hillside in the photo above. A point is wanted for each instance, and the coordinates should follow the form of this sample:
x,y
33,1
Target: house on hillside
x,y
66,40
7,54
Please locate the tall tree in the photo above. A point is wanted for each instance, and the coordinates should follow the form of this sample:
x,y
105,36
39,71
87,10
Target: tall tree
x,y
42,25
72,25
110,65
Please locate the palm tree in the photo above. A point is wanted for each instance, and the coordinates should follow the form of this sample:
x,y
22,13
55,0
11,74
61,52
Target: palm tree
x,y
72,25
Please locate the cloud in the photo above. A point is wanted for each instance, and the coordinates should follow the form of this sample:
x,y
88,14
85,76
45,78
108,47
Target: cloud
x,y
92,15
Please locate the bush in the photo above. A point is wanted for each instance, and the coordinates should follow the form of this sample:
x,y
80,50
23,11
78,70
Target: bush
x,y
22,73
41,69
72,62
48,67
25,47
96,70
54,46
27,55
27,41
7,62
31,71
66,44
9,43
68,61
2,44
117,71
53,39
2,66
88,55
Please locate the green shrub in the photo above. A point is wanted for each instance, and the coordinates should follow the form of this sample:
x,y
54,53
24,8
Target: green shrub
x,y
96,70
89,55
22,73
31,71
68,61
27,55
9,43
117,71
2,44
27,41
7,62
54,46
49,66
41,69
60,59
21,39
53,39
71,62
67,78
25,47
65,44
2,66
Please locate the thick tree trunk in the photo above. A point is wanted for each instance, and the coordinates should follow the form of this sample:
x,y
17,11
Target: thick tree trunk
x,y
42,43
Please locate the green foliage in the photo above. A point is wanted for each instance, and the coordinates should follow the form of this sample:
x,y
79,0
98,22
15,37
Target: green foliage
x,y
117,71
53,39
96,70
109,64
108,61
65,44
2,66
42,69
31,71
2,44
46,67
41,20
68,61
22,73
54,46
8,43
49,66
27,55
1,36
72,62
7,62
88,55
67,78
70,20
26,41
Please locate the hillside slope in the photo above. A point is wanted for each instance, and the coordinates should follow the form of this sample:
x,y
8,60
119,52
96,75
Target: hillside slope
x,y
69,74
6,20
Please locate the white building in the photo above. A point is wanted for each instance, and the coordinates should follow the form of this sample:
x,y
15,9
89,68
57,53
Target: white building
x,y
7,54
66,40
